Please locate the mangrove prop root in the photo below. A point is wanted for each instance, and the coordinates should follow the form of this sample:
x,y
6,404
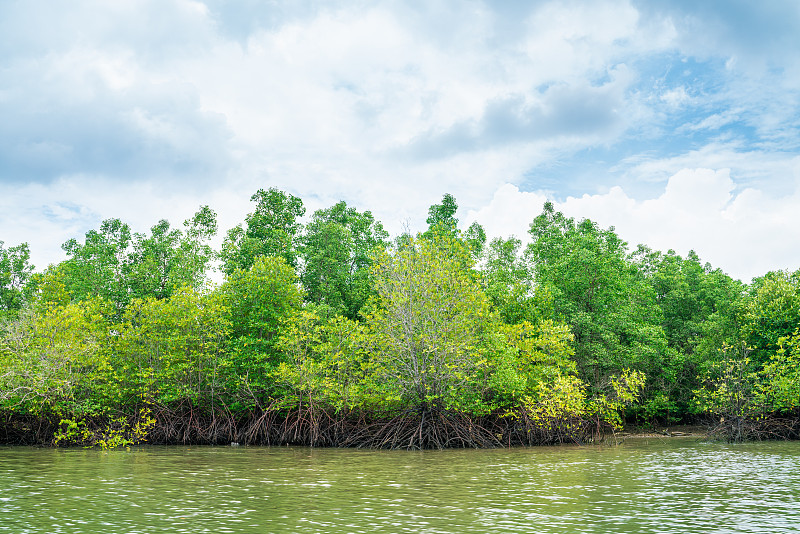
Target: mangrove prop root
x,y
310,424
743,428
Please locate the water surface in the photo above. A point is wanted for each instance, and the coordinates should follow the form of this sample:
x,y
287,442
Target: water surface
x,y
672,485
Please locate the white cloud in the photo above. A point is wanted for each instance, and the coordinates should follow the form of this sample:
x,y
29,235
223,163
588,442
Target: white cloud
x,y
145,110
714,121
776,171
676,98
745,233
46,216
509,213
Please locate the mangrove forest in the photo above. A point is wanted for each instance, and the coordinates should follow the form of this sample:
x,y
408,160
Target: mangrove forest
x,y
327,331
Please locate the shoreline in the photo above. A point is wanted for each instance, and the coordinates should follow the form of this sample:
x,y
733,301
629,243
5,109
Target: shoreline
x,y
675,431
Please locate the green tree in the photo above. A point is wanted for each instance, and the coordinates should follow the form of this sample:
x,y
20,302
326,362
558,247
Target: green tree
x,y
442,222
427,326
117,265
528,358
749,399
475,239
153,262
196,252
258,300
781,383
609,306
699,306
271,230
771,311
170,351
337,250
52,363
442,217
169,258
327,363
748,369
688,293
508,282
99,266
15,275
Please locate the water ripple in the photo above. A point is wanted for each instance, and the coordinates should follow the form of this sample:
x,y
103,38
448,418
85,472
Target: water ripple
x,y
663,486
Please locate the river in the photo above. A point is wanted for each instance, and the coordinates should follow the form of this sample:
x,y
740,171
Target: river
x,y
665,485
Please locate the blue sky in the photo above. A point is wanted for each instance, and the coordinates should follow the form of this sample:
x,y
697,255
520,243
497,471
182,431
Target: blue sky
x,y
676,122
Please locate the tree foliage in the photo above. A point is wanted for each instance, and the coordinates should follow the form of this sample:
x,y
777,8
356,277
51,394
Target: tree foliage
x,y
442,217
53,362
15,275
509,284
99,266
597,291
337,249
428,324
257,301
327,334
771,312
172,350
271,230
117,265
169,258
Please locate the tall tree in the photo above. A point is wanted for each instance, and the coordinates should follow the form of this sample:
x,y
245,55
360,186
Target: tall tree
x,y
611,309
170,351
153,261
271,230
169,258
195,249
15,273
99,266
442,217
688,293
118,265
699,307
508,282
442,221
475,239
259,299
337,250
771,312
52,361
428,324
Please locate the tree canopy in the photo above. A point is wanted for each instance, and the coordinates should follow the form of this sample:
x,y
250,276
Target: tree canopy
x,y
329,332
271,230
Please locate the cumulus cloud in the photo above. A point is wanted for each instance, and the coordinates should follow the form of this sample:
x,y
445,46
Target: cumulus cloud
x,y
145,110
776,172
676,98
47,215
745,232
584,115
87,96
749,49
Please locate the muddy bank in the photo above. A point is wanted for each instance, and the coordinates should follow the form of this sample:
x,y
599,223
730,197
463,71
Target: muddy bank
x,y
674,431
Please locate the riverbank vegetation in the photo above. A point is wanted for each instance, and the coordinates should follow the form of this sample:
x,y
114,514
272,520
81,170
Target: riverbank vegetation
x,y
330,333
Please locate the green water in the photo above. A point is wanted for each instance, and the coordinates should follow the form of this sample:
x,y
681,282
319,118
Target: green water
x,y
642,486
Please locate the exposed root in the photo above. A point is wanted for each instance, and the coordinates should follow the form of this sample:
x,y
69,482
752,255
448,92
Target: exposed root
x,y
314,425
424,429
742,428
524,429
26,429
189,425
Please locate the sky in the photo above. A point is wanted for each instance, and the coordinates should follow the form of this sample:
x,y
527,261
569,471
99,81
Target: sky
x,y
677,122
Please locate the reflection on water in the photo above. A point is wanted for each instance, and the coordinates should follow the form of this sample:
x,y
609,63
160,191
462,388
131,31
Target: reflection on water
x,y
678,485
